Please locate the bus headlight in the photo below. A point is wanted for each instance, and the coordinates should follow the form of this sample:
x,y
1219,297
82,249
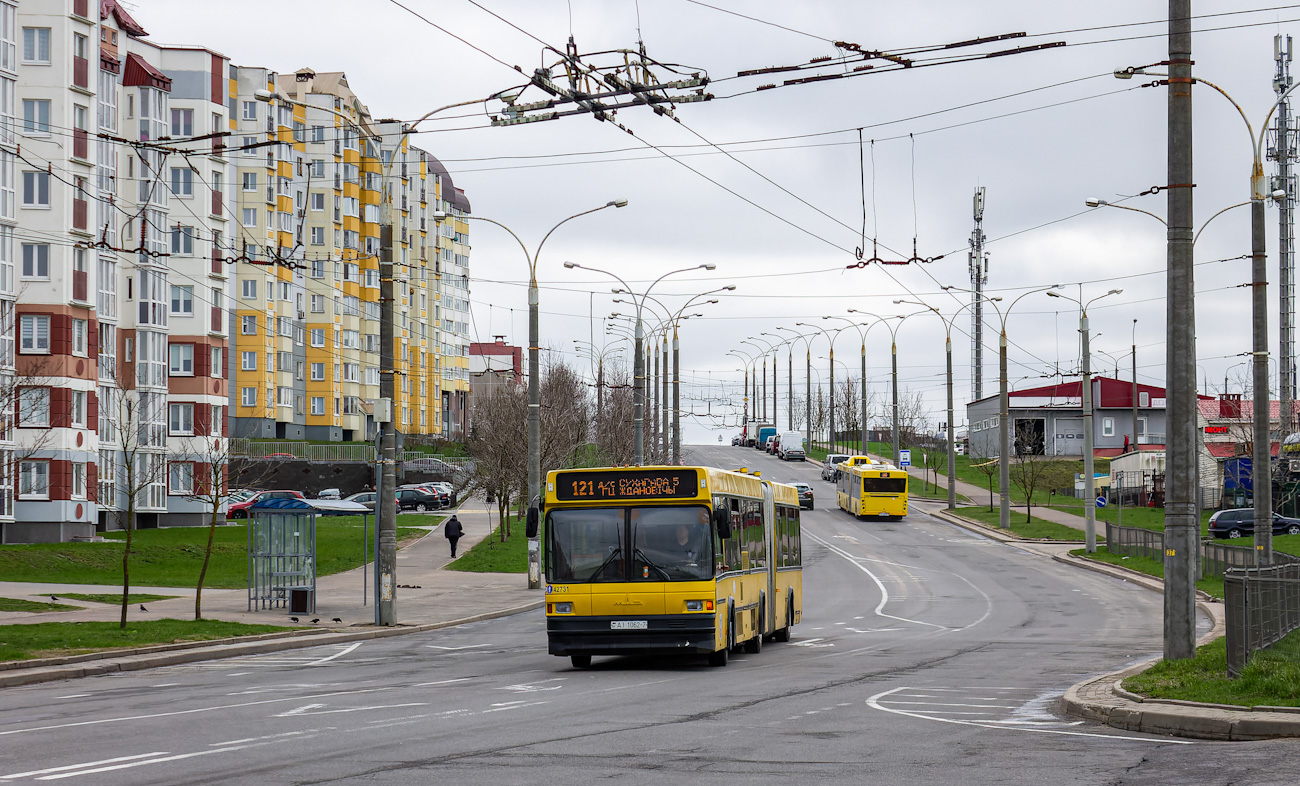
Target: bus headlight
x,y
699,605
562,608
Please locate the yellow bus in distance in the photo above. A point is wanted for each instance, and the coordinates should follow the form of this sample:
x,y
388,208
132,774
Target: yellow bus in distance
x,y
669,560
878,490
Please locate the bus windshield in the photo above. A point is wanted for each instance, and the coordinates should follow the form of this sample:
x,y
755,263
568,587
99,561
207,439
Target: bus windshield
x,y
884,485
666,544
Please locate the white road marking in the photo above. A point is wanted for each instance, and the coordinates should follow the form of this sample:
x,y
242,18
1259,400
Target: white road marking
x,y
454,649
75,696
440,682
177,757
300,710
813,643
884,593
314,709
339,654
264,737
67,767
166,685
942,704
525,688
875,703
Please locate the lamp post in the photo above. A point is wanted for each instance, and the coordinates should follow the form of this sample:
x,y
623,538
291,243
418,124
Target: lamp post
x,y
769,347
807,398
1089,489
862,335
677,366
638,407
748,363
830,337
1004,432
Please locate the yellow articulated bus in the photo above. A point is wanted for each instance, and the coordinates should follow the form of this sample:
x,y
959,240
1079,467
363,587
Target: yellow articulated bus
x,y
872,490
669,560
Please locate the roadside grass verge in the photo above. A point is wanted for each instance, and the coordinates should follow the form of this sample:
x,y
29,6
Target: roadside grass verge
x,y
115,600
492,556
172,557
1034,528
1152,567
18,604
53,639
1272,678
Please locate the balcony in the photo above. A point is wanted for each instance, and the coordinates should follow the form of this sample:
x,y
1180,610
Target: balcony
x,y
216,202
216,319
79,214
81,8
80,290
81,72
218,262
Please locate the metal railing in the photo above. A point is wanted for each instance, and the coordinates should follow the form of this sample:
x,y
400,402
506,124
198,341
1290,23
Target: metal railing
x,y
1135,541
341,454
1262,605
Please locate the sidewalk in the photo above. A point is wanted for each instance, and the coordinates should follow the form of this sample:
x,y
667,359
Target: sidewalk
x,y
428,597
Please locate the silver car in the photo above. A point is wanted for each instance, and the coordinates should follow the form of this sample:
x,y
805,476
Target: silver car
x,y
828,467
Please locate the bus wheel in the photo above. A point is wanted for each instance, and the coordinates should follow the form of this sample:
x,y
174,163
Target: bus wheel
x,y
719,657
783,634
580,661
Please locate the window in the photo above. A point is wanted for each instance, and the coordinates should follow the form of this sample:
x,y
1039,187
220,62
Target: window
x,y
248,288
1108,427
36,260
35,331
250,110
78,480
218,364
78,413
248,325
318,304
318,337
182,181
317,372
183,300
79,335
182,122
180,477
318,201
248,360
34,480
180,419
318,405
249,216
318,170
182,360
318,236
250,181
36,189
183,240
36,116
33,407
218,421
318,268
318,133
1144,399
285,290
248,397
36,45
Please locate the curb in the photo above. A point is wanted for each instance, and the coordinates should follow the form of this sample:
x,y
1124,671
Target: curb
x,y
96,664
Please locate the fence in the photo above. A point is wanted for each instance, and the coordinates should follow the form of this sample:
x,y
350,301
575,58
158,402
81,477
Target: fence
x,y
342,454
1135,541
1262,606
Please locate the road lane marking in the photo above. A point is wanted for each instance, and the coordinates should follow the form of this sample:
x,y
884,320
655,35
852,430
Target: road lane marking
x,y
67,767
177,757
440,682
884,593
454,649
75,696
335,655
315,709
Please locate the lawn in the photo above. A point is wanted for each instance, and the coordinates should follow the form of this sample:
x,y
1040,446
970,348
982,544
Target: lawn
x,y
493,556
1152,567
51,639
115,600
1034,528
1272,678
172,557
18,604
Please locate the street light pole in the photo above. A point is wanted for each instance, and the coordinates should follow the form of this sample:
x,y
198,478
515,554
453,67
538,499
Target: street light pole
x,y
830,337
1089,487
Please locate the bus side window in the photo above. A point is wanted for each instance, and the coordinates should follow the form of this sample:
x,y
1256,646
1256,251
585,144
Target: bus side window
x,y
782,541
796,543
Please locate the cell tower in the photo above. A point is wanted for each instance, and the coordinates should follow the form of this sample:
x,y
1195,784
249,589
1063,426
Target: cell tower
x,y
979,276
1282,150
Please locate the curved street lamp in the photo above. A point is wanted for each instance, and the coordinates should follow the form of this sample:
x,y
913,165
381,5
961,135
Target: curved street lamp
x,y
807,422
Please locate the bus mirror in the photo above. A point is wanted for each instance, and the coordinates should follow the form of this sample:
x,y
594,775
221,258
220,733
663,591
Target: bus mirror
x,y
530,531
722,522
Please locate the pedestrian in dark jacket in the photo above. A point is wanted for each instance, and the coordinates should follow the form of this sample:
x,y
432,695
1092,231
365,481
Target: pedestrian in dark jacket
x,y
453,530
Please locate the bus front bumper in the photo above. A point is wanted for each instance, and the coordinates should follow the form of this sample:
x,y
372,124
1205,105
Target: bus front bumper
x,y
662,634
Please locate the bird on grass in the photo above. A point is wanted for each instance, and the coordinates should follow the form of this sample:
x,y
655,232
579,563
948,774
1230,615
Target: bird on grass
x,y
315,621
293,619
337,619
142,608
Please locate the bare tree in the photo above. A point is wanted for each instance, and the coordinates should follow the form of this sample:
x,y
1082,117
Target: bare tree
x,y
565,415
613,433
849,402
498,445
1033,472
989,469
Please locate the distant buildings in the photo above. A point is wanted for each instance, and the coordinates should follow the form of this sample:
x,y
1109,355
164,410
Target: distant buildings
x,y
495,364
183,262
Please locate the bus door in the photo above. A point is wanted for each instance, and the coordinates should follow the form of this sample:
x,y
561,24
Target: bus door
x,y
769,547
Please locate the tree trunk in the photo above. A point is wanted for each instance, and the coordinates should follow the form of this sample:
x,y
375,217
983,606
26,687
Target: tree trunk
x,y
126,560
207,556
990,493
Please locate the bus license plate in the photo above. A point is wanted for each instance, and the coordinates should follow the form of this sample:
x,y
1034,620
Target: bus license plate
x,y
627,625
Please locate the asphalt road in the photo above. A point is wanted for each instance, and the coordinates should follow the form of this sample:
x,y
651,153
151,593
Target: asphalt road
x,y
926,655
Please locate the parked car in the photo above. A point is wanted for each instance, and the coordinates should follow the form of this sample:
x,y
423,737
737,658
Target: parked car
x,y
737,440
418,500
790,446
367,498
330,494
1240,522
828,466
239,510
805,495
447,490
444,498
769,444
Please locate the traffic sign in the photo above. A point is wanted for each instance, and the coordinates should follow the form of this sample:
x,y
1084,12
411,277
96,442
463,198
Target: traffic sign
x,y
904,458
1101,502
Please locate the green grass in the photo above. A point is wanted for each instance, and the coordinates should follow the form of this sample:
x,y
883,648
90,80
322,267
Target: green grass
x,y
1034,528
492,556
50,639
17,604
115,600
172,557
1150,566
1272,678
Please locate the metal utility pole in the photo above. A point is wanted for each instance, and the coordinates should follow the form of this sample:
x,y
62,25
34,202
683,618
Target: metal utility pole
x,y
789,384
386,506
677,400
1181,526
764,388
978,262
1135,385
663,384
1282,149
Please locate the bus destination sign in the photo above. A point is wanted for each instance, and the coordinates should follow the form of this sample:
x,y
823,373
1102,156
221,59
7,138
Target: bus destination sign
x,y
628,484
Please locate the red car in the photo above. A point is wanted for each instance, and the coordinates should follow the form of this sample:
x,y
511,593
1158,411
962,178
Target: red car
x,y
239,510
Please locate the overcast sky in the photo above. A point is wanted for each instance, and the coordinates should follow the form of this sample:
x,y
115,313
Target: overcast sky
x,y
1040,131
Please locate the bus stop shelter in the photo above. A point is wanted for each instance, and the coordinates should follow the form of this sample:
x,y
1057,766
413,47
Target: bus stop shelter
x,y
282,551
